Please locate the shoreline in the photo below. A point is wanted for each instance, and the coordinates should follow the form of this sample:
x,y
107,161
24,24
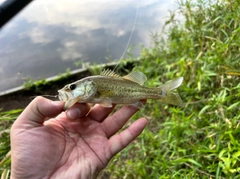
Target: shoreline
x,y
20,97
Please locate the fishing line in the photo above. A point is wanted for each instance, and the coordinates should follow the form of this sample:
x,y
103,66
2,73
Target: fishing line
x,y
194,102
130,37
48,96
124,52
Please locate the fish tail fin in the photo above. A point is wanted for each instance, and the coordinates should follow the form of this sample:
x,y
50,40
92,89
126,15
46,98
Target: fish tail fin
x,y
170,97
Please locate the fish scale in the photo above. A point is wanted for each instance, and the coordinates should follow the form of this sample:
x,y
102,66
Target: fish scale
x,y
122,91
109,88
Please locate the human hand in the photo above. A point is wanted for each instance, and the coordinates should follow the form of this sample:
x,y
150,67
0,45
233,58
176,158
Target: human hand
x,y
71,145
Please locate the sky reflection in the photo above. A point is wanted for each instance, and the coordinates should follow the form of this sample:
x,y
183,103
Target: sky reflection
x,y
48,36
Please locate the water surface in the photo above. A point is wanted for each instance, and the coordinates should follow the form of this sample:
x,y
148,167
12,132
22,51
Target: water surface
x,y
49,36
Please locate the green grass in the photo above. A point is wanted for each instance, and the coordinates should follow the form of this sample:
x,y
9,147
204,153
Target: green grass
x,y
6,120
202,139
40,85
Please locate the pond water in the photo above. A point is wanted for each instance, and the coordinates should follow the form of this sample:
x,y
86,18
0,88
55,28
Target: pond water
x,y
49,36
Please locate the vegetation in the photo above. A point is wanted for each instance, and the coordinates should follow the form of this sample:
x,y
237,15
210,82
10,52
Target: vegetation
x,y
40,85
202,139
6,120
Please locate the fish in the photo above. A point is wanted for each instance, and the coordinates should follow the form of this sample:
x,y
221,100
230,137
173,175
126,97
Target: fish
x,y
109,88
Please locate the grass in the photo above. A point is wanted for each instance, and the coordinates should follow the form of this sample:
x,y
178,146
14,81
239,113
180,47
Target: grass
x,y
202,139
40,85
6,120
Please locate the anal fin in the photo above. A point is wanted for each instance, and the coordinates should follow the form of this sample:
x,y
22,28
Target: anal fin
x,y
106,102
137,105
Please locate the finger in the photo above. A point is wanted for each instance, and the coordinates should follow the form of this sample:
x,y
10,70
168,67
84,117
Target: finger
x,y
77,111
37,111
114,123
121,140
99,113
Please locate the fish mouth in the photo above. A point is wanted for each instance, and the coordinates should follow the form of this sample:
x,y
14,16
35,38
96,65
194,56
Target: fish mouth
x,y
64,95
67,98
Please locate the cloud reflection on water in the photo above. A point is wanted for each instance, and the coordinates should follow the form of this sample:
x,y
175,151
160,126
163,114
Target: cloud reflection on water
x,y
49,36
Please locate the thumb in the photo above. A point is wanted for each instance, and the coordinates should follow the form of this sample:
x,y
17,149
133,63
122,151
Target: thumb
x,y
37,111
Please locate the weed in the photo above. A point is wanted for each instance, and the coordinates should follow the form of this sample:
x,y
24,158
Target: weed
x,y
6,120
40,85
200,140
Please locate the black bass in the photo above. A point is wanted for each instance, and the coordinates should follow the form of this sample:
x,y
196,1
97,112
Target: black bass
x,y
109,88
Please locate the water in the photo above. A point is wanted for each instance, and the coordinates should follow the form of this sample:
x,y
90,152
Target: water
x,y
49,36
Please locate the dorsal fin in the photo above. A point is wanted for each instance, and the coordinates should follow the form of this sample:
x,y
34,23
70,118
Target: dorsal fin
x,y
110,73
136,76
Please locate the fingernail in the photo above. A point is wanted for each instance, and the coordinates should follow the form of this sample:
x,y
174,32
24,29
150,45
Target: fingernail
x,y
73,113
57,103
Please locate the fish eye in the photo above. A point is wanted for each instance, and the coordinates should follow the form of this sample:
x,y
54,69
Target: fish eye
x,y
72,86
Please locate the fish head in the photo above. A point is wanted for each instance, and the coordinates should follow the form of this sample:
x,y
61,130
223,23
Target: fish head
x,y
80,91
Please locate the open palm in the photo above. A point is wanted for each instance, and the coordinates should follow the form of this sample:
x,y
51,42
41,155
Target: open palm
x,y
71,145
